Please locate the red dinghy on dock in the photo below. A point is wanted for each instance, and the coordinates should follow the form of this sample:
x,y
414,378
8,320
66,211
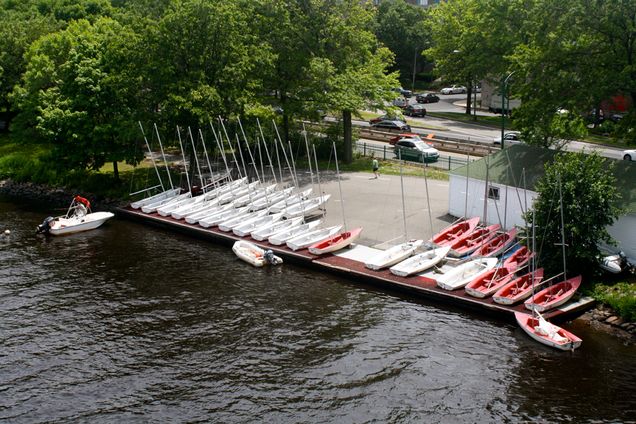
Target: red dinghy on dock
x,y
449,235
548,334
487,284
496,245
470,242
337,242
554,296
518,289
519,258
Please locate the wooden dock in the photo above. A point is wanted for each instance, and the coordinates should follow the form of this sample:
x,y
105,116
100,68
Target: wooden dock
x,y
345,264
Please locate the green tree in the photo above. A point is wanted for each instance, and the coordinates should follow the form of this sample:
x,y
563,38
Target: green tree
x,y
77,96
589,201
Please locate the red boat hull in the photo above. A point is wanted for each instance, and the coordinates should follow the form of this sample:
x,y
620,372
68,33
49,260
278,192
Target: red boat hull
x,y
554,296
487,284
449,235
472,241
519,258
496,245
564,341
518,289
337,242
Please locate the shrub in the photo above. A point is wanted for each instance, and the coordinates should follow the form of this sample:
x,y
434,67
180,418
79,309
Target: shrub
x,y
621,297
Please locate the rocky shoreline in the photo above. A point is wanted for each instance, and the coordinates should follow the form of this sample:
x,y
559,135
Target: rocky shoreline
x,y
604,318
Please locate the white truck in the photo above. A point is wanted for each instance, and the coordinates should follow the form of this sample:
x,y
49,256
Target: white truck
x,y
495,104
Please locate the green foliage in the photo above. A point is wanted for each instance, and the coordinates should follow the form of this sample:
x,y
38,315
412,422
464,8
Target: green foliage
x,y
621,297
589,199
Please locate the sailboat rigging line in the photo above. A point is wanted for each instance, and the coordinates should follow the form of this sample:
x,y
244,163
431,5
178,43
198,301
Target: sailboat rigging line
x,y
292,171
249,150
485,221
335,153
154,164
428,200
311,174
545,229
467,173
221,151
238,165
207,158
185,165
406,237
238,147
269,159
163,155
260,156
196,159
324,209
514,181
565,271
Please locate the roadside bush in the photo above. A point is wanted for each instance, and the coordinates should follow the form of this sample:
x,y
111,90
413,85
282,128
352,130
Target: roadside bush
x,y
621,297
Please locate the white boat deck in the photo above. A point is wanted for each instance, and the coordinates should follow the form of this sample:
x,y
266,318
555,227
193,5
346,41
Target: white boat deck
x,y
358,253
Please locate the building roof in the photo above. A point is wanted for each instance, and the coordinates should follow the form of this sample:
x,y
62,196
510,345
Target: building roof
x,y
507,166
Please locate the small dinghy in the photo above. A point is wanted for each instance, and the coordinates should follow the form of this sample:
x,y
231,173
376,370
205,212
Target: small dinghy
x,y
420,262
548,334
496,245
554,296
248,226
393,255
281,237
262,233
168,194
305,240
337,242
235,221
464,273
470,242
518,289
281,205
451,234
306,207
78,218
254,255
487,284
519,258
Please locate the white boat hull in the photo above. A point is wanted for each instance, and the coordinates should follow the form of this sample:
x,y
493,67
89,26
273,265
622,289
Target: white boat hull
x,y
464,273
282,236
156,198
87,222
268,230
305,240
393,255
420,262
306,207
253,254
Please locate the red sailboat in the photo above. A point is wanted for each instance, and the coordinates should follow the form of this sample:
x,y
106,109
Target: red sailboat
x,y
337,242
496,245
554,296
449,235
487,284
518,289
548,334
519,258
470,242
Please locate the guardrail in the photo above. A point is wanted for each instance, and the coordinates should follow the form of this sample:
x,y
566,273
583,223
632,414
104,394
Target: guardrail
x,y
386,152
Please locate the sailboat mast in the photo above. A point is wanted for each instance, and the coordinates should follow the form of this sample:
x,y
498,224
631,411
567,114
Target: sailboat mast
x,y
220,147
406,237
292,171
308,155
196,159
428,200
165,161
318,176
466,195
151,158
207,158
249,150
238,165
185,165
335,154
565,275
269,159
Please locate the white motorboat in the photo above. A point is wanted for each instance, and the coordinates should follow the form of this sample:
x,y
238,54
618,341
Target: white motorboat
x,y
254,255
235,221
420,262
247,227
464,273
282,236
305,240
393,255
78,218
266,231
156,198
216,218
270,199
281,205
306,207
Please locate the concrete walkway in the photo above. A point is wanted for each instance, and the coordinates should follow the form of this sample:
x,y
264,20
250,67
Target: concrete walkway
x,y
376,205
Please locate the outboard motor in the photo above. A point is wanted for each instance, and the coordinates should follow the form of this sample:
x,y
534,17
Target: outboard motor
x,y
45,226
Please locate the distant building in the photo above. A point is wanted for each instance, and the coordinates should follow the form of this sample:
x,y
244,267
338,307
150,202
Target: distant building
x,y
512,175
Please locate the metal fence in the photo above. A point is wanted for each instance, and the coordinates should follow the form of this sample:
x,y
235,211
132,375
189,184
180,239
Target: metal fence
x,y
386,152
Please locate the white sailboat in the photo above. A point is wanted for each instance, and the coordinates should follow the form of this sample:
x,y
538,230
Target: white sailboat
x,y
283,204
281,237
164,195
420,262
248,226
393,255
305,240
216,218
270,199
268,230
464,273
253,196
208,211
306,207
229,224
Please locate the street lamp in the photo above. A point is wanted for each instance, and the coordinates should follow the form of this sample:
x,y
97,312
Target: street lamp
x,y
504,89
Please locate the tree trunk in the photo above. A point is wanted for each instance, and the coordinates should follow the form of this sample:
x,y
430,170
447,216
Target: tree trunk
x,y
115,171
348,145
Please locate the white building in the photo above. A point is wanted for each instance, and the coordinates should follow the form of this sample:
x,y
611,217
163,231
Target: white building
x,y
512,175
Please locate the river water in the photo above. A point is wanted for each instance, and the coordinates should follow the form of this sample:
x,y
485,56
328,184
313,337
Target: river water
x,y
132,324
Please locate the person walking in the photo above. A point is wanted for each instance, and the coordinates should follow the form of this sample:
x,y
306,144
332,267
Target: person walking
x,y
376,167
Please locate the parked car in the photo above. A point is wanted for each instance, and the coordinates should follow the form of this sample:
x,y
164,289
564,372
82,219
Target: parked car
x,y
511,137
410,136
426,98
455,89
415,110
392,125
388,117
629,155
409,149
403,91
401,102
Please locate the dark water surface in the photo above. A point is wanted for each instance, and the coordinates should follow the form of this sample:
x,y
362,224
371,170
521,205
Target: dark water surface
x,y
128,323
